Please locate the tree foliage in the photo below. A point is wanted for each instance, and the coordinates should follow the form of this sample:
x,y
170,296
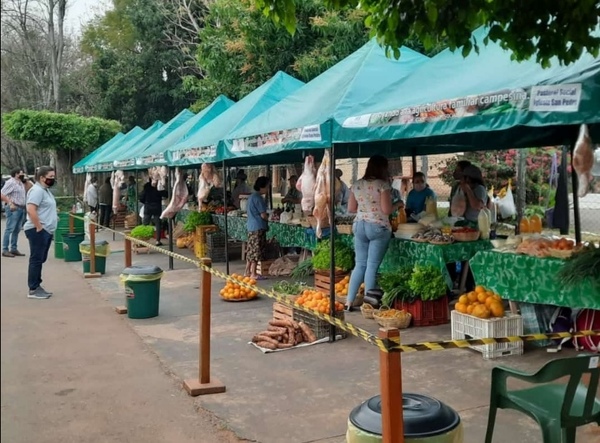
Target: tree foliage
x,y
51,130
240,48
135,70
540,29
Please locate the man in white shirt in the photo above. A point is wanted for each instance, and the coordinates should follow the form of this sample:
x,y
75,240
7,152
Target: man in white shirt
x,y
91,195
13,194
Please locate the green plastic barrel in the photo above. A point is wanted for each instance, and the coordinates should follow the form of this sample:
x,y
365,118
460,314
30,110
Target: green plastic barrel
x,y
100,264
58,249
142,290
63,227
71,246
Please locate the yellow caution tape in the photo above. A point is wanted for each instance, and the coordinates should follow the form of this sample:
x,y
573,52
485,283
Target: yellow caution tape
x,y
385,345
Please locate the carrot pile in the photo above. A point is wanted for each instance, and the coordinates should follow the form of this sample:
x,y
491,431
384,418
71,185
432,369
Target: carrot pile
x,y
283,334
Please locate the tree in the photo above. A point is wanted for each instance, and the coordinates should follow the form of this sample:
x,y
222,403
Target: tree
x,y
543,29
240,48
70,136
135,70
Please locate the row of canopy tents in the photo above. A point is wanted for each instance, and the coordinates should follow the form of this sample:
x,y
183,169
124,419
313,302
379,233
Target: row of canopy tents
x,y
370,103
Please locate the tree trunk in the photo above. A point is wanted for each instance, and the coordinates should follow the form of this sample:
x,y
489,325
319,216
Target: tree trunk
x,y
425,165
57,45
354,164
65,159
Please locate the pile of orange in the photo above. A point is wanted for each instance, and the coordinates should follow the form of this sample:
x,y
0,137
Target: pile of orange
x,y
481,303
318,301
233,291
341,287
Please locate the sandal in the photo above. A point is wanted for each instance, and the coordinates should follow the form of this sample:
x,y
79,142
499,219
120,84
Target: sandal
x,y
259,278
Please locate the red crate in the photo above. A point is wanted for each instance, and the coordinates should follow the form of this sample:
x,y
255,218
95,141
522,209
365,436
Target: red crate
x,y
427,313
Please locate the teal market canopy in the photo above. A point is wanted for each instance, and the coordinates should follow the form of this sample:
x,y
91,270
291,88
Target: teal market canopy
x,y
304,119
207,144
483,101
105,161
127,160
80,166
154,155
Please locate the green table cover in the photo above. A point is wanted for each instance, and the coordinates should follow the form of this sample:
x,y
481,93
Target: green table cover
x,y
523,278
288,236
405,252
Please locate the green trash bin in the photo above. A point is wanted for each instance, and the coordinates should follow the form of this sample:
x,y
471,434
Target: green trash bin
x,y
58,249
70,245
142,290
102,251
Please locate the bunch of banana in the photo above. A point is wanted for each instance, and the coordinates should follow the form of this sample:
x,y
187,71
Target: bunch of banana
x,y
502,192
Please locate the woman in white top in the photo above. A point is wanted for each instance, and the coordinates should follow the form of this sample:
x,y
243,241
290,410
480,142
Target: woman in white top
x,y
371,200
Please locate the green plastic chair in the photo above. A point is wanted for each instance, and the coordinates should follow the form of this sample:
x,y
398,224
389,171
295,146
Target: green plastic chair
x,y
558,408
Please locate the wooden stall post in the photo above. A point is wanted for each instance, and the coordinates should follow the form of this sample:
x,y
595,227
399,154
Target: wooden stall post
x,y
205,384
127,250
92,273
390,370
71,223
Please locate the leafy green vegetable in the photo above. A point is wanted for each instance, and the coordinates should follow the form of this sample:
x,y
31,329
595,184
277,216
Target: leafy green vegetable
x,y
303,270
395,286
289,288
344,256
142,232
427,283
583,265
195,218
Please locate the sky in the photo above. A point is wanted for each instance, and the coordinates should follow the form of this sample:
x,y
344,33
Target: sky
x,y
79,12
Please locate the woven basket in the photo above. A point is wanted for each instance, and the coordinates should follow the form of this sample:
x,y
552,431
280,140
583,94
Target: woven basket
x,y
367,310
396,322
358,301
344,229
466,236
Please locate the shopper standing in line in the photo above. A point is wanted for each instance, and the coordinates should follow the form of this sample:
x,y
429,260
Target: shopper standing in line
x,y
91,195
14,195
105,198
42,220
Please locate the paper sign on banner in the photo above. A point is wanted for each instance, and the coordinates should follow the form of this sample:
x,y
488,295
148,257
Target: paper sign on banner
x,y
594,362
555,98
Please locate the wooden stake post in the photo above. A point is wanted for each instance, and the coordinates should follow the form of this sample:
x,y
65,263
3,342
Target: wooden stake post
x,y
92,273
127,250
71,223
205,384
390,369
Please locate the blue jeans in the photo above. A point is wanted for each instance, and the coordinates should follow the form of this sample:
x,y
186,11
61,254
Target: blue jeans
x,y
14,223
371,241
39,245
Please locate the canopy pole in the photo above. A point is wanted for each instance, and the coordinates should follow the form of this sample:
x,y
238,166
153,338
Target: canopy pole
x,y
137,197
170,184
576,214
270,175
332,240
225,179
414,164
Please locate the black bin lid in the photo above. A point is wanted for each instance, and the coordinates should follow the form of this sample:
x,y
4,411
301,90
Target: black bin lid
x,y
142,270
98,243
74,235
423,416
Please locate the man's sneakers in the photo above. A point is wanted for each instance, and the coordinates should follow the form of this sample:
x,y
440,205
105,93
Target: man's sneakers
x,y
39,294
16,253
8,254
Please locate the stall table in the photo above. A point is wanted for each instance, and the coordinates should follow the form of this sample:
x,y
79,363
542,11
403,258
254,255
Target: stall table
x,y
533,283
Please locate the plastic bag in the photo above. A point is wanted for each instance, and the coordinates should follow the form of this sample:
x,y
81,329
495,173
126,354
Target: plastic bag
x,y
141,278
142,211
506,204
458,205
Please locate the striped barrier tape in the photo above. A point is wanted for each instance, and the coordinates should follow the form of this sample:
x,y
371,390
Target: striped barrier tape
x,y
386,345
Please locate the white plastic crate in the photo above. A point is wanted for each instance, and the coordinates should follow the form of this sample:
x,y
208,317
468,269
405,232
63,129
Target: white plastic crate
x,y
466,326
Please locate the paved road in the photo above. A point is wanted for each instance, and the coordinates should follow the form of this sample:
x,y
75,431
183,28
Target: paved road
x,y
74,371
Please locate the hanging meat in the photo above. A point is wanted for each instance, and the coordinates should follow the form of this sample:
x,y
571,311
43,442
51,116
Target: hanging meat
x,y
583,160
117,179
163,172
178,198
322,211
207,179
306,184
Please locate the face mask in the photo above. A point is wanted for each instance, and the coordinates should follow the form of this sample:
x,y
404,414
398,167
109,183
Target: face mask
x,y
419,186
22,178
50,182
